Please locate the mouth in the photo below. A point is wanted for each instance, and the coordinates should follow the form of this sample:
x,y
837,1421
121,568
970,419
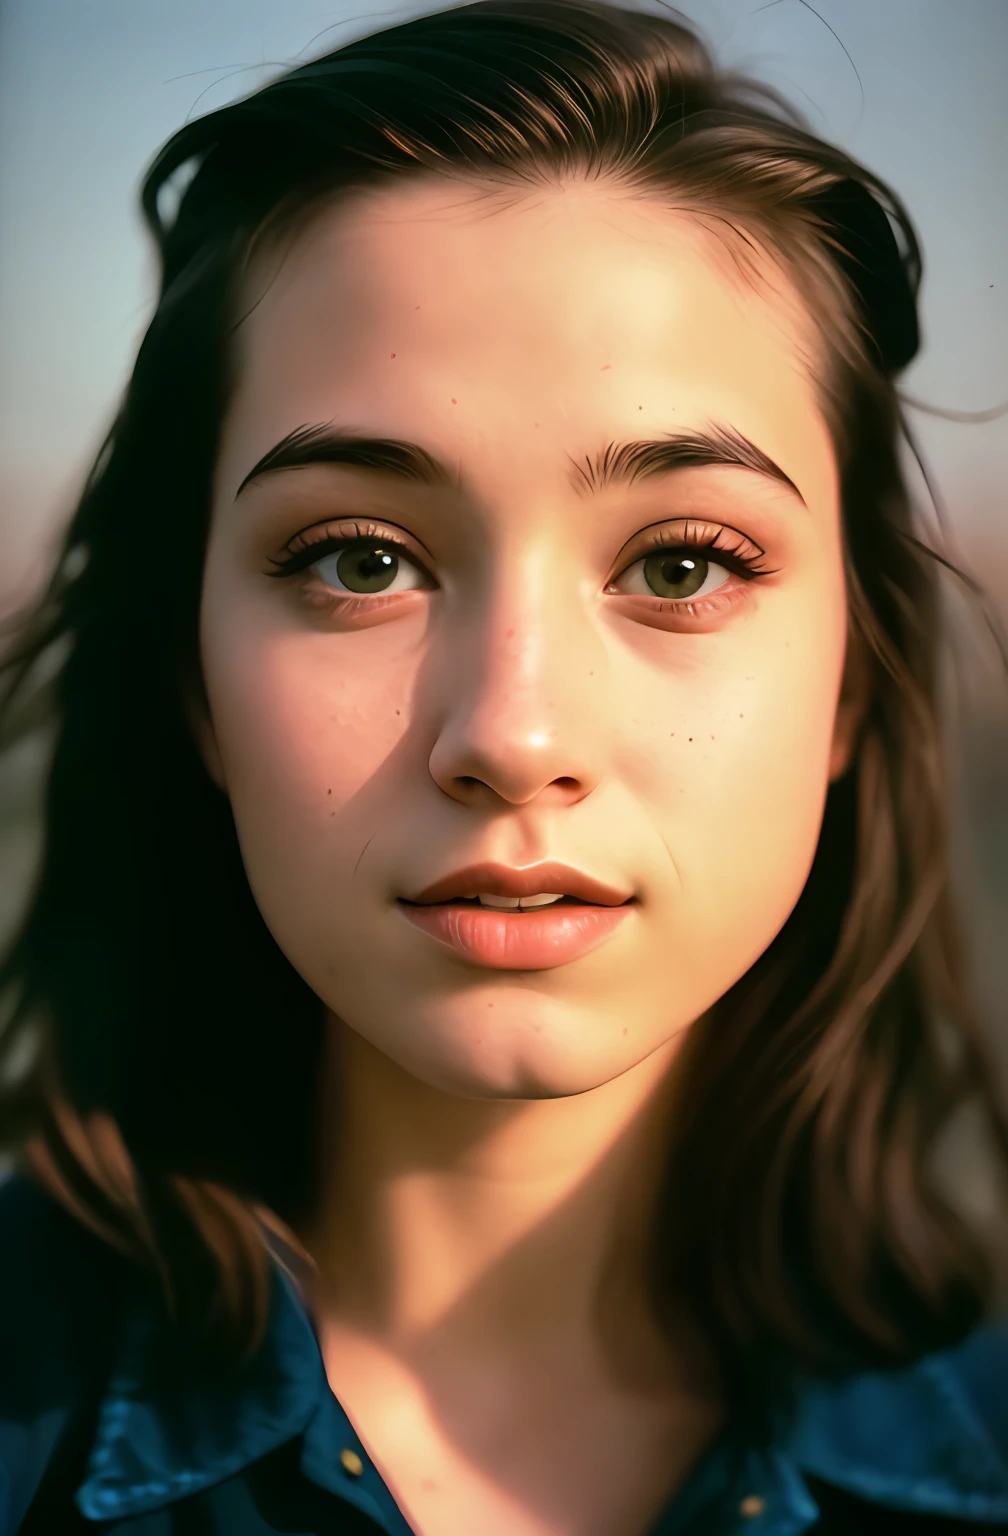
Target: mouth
x,y
508,906
506,888
529,919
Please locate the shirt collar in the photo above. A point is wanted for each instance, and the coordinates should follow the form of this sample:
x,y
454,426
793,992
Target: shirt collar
x,y
913,1439
909,1440
149,1451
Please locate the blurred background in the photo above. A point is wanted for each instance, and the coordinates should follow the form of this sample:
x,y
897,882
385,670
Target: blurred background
x,y
914,88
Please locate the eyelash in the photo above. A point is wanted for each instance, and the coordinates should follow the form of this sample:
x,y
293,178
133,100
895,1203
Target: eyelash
x,y
304,551
701,538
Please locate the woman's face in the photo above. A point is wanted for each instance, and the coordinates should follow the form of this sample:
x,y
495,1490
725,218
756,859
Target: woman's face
x,y
532,656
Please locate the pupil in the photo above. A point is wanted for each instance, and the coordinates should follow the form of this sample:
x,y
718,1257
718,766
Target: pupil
x,y
367,567
674,575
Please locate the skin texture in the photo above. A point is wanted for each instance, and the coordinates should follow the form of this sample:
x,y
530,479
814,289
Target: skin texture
x,y
492,1137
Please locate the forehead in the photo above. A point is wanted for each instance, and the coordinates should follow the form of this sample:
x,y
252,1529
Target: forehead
x,y
508,303
587,261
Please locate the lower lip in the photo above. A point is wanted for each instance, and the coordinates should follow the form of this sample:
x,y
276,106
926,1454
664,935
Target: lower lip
x,y
517,941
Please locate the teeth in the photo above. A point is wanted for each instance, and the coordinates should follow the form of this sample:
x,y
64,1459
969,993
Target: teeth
x,y
513,903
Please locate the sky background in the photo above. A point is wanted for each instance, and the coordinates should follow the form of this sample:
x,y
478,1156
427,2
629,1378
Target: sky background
x,y
89,89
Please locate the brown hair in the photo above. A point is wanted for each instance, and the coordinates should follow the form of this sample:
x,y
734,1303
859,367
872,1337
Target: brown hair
x,y
176,1050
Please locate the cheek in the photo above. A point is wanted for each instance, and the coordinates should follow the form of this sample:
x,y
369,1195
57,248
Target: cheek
x,y
302,729
732,756
291,723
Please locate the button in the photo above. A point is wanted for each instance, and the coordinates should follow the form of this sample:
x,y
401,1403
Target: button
x,y
751,1506
351,1462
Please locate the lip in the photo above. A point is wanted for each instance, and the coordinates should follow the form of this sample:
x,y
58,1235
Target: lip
x,y
534,940
530,940
501,880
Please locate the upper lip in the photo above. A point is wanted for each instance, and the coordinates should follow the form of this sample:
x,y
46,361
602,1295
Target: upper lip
x,y
499,880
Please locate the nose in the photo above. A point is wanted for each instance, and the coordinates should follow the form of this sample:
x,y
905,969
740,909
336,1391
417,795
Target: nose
x,y
519,677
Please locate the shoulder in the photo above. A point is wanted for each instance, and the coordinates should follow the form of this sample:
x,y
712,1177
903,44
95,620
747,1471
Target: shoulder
x,y
61,1290
932,1437
60,1285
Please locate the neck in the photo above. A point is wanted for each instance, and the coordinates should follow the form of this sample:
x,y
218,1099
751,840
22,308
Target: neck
x,y
502,1230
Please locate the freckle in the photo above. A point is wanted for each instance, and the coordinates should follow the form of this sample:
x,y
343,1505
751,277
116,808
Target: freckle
x,y
454,401
691,738
640,407
671,733
397,711
418,306
712,738
741,717
624,1029
536,423
604,367
509,634
538,1029
328,791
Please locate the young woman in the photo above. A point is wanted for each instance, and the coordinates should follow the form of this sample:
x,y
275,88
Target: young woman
x,y
480,1036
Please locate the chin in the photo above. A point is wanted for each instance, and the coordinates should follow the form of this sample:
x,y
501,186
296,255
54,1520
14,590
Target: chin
x,y
537,1073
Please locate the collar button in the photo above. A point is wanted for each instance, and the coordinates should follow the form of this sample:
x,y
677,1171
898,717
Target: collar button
x,y
351,1462
751,1506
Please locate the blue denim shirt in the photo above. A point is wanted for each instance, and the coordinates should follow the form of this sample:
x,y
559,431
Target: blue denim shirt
x,y
278,1453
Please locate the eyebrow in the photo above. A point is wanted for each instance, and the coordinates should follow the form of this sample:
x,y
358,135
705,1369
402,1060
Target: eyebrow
x,y
618,463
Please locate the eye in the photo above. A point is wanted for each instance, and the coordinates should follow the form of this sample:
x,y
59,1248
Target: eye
x,y
366,566
673,574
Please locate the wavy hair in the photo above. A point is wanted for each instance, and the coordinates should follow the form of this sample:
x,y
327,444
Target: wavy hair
x,y
173,1052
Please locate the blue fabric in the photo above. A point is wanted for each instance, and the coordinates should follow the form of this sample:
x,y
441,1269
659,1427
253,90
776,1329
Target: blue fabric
x,y
932,1439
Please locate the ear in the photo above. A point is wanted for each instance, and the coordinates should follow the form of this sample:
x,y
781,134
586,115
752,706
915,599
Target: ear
x,y
852,706
197,711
